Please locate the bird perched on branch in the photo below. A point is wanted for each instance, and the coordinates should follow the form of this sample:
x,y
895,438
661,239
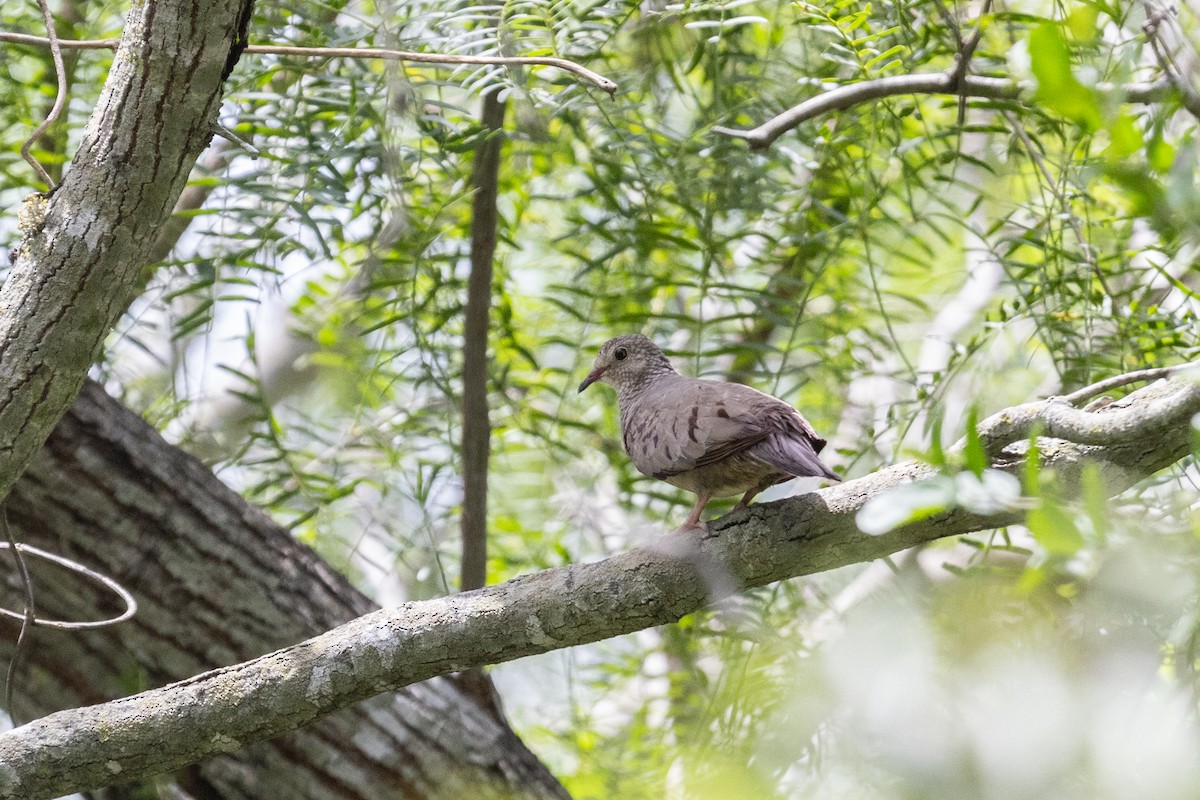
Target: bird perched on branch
x,y
712,438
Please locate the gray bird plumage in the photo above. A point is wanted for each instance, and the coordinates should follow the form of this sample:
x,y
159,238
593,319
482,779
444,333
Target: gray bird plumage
x,y
712,438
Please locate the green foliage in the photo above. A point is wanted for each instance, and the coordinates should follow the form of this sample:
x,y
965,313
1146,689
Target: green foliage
x,y
1058,87
892,270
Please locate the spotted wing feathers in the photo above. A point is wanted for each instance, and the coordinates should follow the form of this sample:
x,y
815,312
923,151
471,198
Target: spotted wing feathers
x,y
680,424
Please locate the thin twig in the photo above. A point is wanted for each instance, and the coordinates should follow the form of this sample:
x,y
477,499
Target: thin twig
x,y
60,97
597,80
968,50
853,94
65,44
963,58
27,618
1142,375
1155,19
64,625
230,136
1035,156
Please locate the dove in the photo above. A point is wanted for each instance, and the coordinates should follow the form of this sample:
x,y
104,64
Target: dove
x,y
711,438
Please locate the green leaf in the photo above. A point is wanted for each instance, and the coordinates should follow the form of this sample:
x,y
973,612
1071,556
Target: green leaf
x,y
1159,153
1081,22
937,455
1054,529
1143,192
1058,89
1095,502
1033,465
977,458
1124,137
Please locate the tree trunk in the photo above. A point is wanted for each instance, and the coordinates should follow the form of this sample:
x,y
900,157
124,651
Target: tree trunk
x,y
217,582
81,258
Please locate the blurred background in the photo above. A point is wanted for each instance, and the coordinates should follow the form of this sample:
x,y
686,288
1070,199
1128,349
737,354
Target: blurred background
x,y
891,268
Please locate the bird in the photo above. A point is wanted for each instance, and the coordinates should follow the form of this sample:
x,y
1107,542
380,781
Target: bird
x,y
711,438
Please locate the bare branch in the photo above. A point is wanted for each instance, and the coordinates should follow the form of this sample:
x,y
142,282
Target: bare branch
x,y
27,618
966,49
60,97
597,80
225,709
850,95
1117,381
1120,422
65,44
476,424
1157,18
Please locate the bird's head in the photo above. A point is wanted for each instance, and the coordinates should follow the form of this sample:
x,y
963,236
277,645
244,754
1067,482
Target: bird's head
x,y
627,361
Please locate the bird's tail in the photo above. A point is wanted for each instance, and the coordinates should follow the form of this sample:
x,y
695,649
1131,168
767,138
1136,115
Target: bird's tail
x,y
793,454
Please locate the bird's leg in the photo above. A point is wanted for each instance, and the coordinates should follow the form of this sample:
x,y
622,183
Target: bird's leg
x,y
693,520
746,498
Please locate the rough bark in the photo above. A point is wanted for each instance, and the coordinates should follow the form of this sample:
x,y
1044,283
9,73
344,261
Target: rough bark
x,y
225,709
218,583
84,247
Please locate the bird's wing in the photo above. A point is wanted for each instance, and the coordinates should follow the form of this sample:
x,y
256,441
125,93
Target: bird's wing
x,y
693,423
792,445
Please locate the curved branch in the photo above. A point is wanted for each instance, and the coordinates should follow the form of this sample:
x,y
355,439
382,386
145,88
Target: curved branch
x,y
1116,423
853,94
60,97
225,709
597,80
1117,381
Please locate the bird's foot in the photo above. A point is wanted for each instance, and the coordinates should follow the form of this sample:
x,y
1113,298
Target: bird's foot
x,y
693,519
699,526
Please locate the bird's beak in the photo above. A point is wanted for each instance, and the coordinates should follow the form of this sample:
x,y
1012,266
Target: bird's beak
x,y
592,377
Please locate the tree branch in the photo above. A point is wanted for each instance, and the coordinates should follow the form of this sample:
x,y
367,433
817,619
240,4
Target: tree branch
x,y
1116,423
1158,18
1117,381
84,247
227,708
853,94
597,80
476,423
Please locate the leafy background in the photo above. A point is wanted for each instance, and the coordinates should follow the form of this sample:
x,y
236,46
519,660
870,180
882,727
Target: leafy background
x,y
892,269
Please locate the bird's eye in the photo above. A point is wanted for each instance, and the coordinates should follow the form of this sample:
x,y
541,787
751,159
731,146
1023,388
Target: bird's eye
x,y
620,353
